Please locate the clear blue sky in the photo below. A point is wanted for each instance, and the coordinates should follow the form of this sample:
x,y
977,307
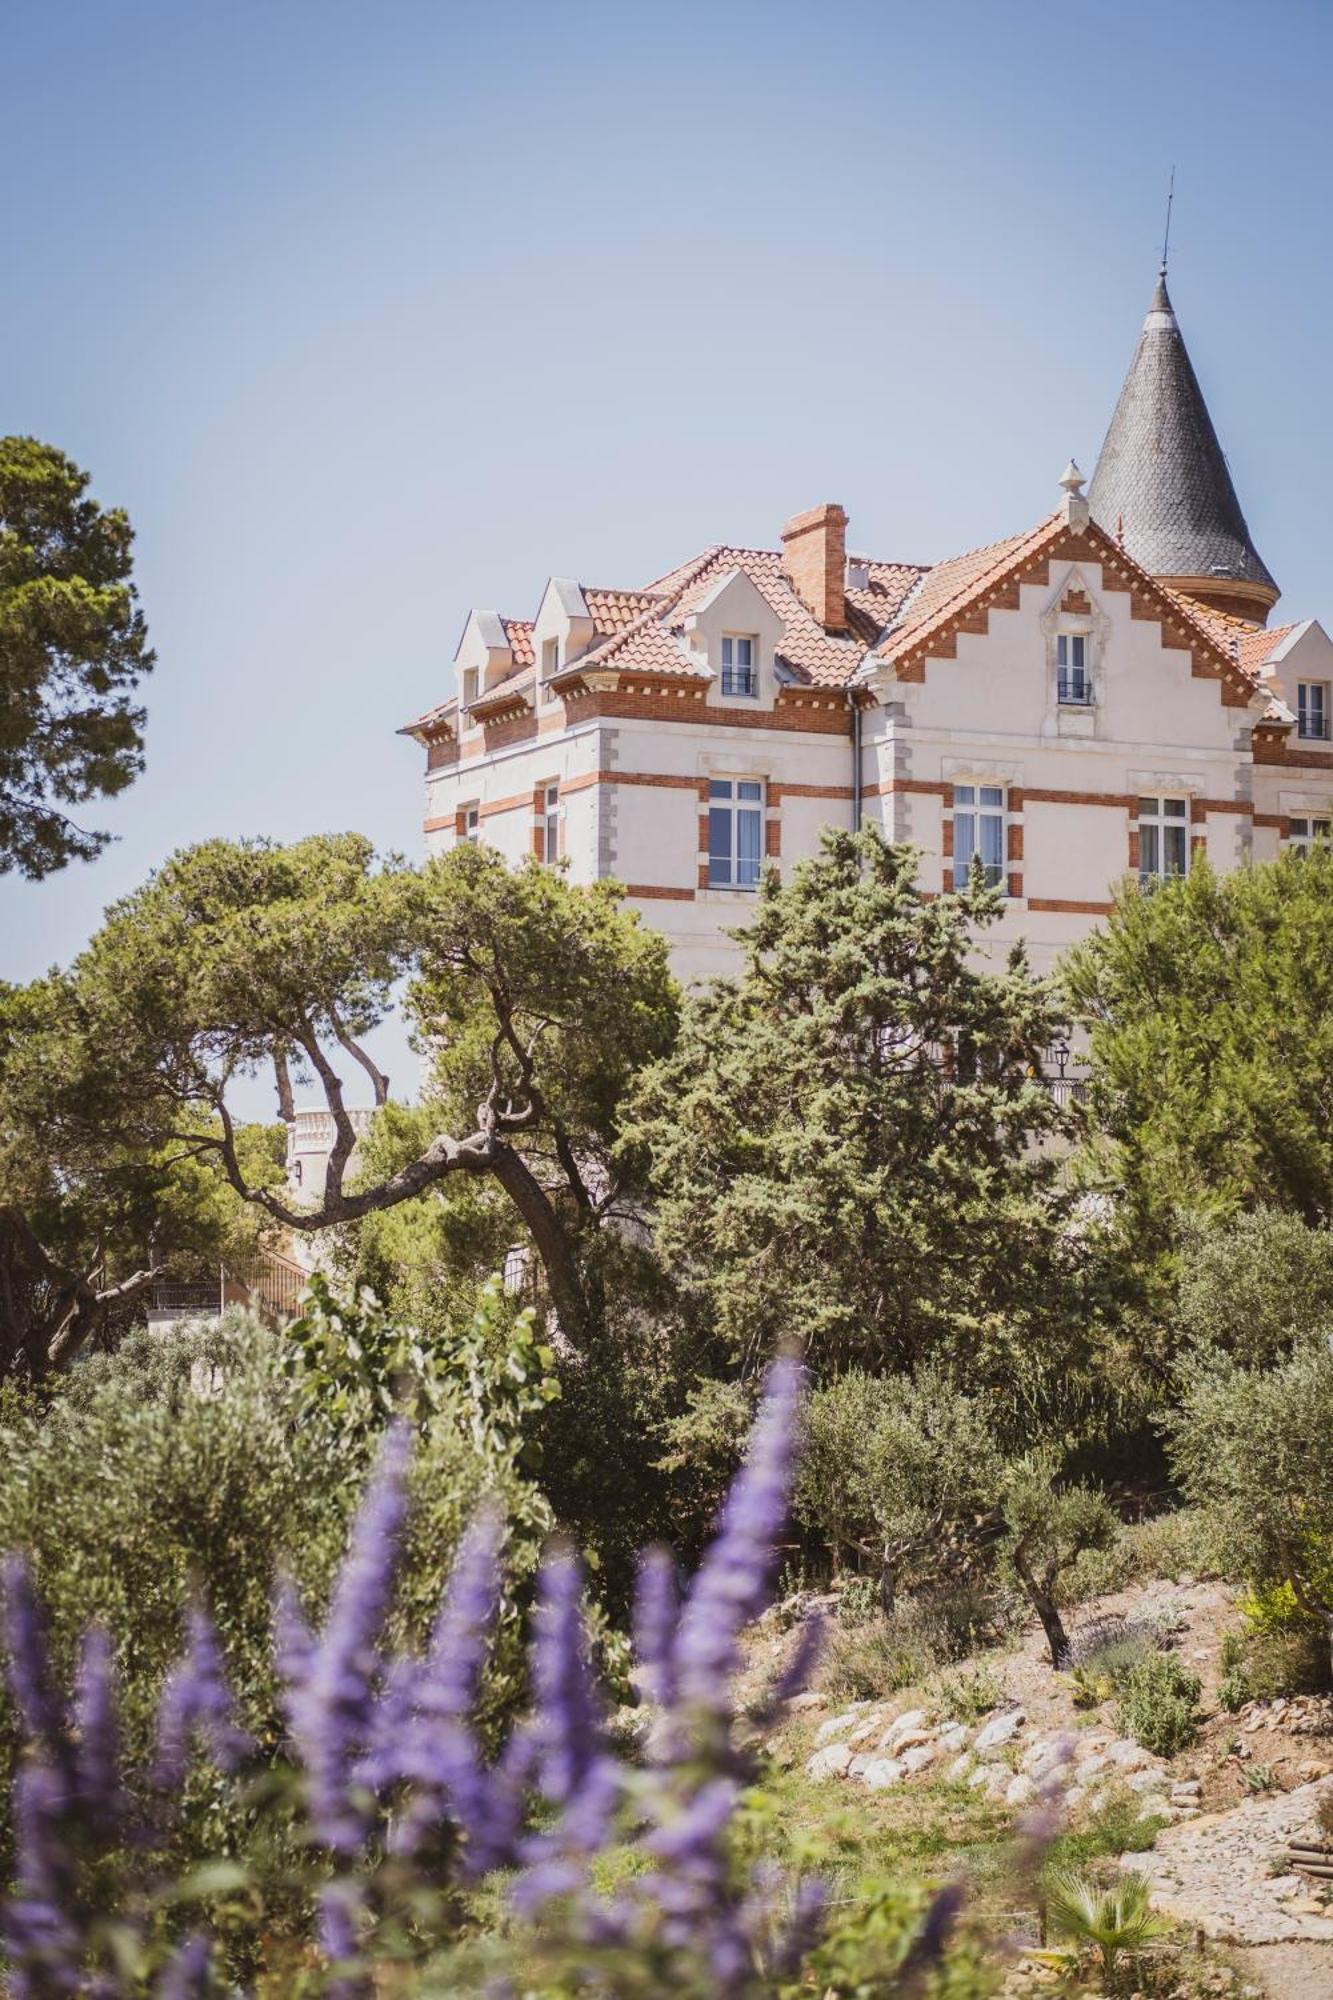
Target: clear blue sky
x,y
372,312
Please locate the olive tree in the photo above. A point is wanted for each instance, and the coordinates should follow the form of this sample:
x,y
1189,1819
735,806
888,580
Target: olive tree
x,y
900,1471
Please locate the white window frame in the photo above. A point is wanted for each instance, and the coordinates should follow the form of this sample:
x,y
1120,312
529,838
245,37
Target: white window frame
x,y
471,822
1167,813
1312,711
742,803
980,818
1307,830
735,671
1073,674
549,666
471,685
548,821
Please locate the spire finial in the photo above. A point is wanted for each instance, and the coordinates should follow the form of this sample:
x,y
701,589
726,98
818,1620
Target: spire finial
x,y
1166,233
1075,505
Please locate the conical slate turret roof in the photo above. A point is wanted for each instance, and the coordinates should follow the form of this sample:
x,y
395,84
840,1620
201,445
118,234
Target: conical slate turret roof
x,y
1162,481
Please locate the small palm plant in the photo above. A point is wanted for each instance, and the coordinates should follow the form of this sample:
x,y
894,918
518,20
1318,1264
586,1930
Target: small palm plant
x,y
1115,1919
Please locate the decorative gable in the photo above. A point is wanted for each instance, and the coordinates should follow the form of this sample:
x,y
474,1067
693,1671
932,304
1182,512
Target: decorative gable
x,y
731,620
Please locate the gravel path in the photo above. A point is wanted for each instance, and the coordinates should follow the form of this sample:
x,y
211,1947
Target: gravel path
x,y
1217,1873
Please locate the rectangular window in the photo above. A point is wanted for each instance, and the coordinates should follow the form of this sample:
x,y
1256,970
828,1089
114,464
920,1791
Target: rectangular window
x,y
735,832
1071,660
1306,832
978,829
1312,709
1164,840
738,664
548,823
469,817
550,658
471,678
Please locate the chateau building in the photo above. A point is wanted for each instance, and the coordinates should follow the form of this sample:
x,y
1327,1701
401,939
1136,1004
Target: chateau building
x,y
1100,694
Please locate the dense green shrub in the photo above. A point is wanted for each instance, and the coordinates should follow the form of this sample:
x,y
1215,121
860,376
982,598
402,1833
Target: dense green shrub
x,y
204,1459
923,1636
1159,1704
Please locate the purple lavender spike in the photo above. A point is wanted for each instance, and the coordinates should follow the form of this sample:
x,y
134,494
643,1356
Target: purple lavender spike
x,y
436,1751
97,1736
691,1839
656,1610
795,1675
332,1705
803,1929
40,1708
732,1583
340,1905
567,1705
293,1640
40,1936
188,1974
928,1947
196,1699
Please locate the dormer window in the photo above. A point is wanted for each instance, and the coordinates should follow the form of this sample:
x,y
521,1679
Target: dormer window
x,y
739,652
1073,670
550,658
1312,709
471,683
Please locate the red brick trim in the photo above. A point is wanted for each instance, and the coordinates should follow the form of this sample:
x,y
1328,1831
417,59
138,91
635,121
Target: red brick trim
x,y
1015,842
1134,850
777,793
1282,821
773,838
1067,906
946,840
1031,563
1267,751
1126,801
655,892
932,787
1016,886
1198,843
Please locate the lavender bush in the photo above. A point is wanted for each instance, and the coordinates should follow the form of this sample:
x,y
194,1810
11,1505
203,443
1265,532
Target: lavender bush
x,y
620,1873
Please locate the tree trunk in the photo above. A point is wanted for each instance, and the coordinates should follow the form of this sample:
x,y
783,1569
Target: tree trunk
x,y
552,1240
1043,1603
888,1585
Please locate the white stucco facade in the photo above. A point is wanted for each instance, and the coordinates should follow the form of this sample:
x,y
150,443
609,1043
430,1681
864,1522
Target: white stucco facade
x,y
599,734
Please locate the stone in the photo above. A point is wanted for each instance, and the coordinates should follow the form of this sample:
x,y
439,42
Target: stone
x,y
830,1762
1152,1780
880,1773
959,1769
806,1699
864,1729
836,1724
1088,1767
951,1739
1128,1755
1093,1744
981,1776
1187,1788
902,1726
917,1758
1019,1790
1000,1729
1253,1723
1311,1768
857,1765
911,1739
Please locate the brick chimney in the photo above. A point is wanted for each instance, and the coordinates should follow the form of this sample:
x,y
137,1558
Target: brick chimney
x,y
814,562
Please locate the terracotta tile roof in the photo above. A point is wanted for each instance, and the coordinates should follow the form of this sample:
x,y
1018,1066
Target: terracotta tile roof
x,y
1250,645
899,608
613,610
654,642
951,584
425,723
518,631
